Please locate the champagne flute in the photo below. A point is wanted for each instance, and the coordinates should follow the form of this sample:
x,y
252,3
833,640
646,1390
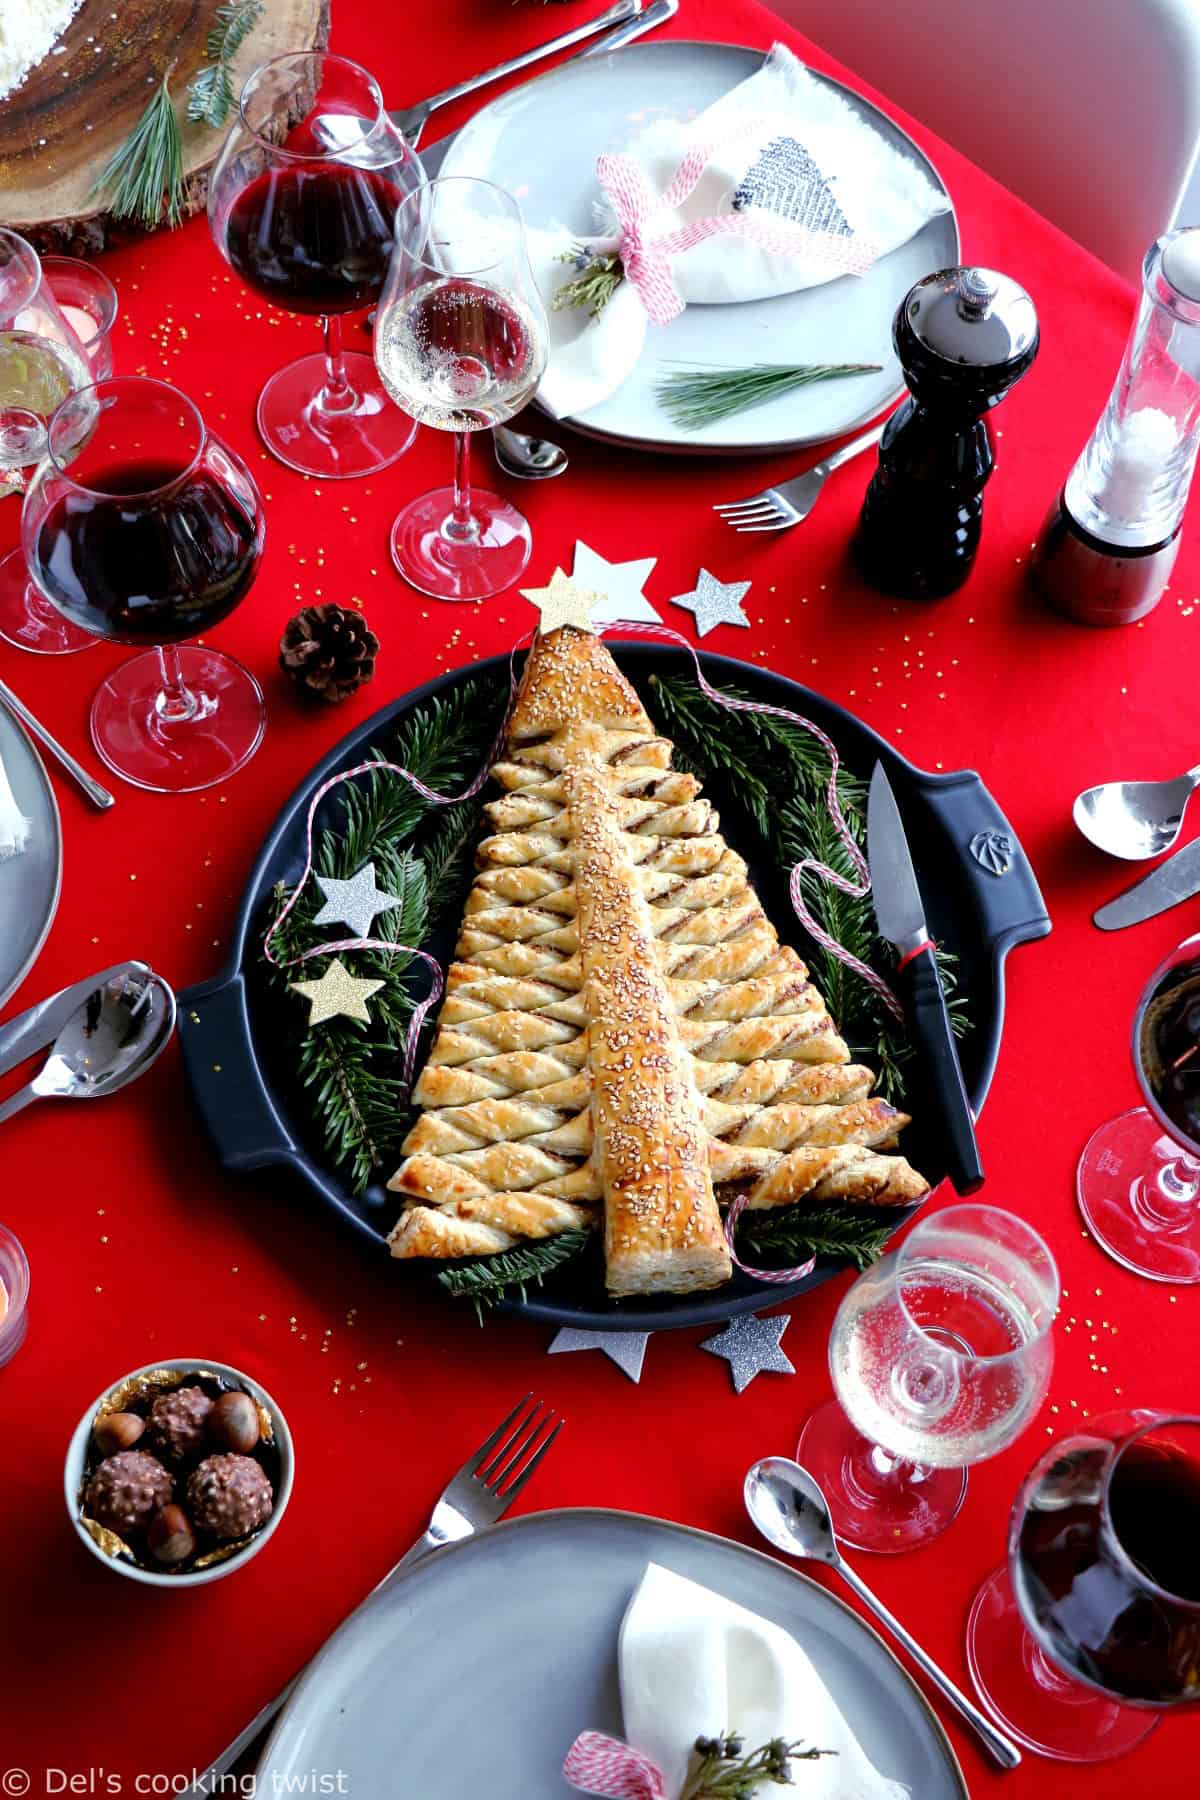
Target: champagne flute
x,y
1138,1181
146,529
1093,1629
41,362
461,341
301,204
940,1355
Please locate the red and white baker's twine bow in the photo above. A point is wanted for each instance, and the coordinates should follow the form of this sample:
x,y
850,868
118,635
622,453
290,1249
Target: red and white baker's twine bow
x,y
596,1764
857,887
646,255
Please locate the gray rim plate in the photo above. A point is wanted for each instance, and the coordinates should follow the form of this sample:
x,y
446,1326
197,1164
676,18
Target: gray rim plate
x,y
475,1671
29,883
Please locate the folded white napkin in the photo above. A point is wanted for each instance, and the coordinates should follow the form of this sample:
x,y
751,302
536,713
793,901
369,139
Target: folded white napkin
x,y
15,828
815,190
694,1664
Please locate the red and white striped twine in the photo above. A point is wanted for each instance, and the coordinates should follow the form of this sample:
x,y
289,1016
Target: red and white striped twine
x,y
858,888
596,1764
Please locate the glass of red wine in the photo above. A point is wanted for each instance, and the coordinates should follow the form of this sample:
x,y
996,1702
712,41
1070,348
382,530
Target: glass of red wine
x,y
142,527
301,204
461,341
1093,1629
1138,1180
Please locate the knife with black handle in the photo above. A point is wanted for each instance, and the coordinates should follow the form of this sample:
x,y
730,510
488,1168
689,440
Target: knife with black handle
x,y
900,915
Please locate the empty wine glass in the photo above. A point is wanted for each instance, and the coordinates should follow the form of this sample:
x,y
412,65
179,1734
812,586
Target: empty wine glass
x,y
301,204
1138,1180
41,362
1093,1629
940,1355
142,527
461,341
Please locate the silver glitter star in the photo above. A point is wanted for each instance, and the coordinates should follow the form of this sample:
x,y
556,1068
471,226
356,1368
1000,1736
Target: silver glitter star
x,y
626,1348
354,902
714,603
749,1345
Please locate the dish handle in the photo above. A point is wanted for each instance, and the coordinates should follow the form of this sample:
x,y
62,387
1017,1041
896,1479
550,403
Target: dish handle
x,y
214,1035
1001,880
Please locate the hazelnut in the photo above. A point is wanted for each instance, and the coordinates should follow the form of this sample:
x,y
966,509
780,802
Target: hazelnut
x,y
169,1537
118,1431
177,1420
233,1422
126,1491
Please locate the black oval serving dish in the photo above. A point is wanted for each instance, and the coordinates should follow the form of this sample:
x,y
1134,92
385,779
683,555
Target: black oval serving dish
x,y
980,894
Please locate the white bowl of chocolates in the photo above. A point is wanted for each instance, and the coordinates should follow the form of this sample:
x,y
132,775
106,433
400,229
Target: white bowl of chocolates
x,y
179,1473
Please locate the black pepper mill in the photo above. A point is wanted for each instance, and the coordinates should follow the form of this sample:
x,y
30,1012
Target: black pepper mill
x,y
964,338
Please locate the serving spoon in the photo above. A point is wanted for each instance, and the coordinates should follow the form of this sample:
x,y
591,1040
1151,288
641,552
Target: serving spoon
x,y
528,458
111,1038
1135,819
791,1512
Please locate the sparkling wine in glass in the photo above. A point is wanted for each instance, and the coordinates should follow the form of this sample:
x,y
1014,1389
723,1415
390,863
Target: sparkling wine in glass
x,y
42,361
148,530
940,1355
1138,1180
302,205
1093,1629
461,341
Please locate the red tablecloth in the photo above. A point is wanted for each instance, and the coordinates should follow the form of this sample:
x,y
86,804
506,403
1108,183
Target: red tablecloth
x,y
142,1247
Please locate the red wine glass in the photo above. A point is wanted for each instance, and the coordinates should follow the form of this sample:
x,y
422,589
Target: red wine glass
x,y
461,341
1138,1180
1093,1629
142,527
301,204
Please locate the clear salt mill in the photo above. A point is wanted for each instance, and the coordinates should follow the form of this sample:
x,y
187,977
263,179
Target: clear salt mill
x,y
1110,539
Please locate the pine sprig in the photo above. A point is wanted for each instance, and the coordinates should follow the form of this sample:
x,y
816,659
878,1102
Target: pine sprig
x,y
143,178
695,395
788,1237
210,95
489,1279
598,276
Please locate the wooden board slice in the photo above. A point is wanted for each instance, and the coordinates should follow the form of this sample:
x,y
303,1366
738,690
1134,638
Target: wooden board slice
x,y
58,129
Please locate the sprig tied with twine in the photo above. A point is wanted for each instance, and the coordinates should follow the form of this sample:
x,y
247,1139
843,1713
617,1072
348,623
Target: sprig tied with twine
x,y
598,276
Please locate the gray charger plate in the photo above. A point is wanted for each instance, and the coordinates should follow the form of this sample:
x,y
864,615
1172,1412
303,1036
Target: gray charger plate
x,y
29,883
474,1673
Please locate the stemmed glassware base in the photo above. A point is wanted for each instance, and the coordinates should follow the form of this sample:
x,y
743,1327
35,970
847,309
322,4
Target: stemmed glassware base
x,y
335,430
1139,1194
439,557
878,1501
183,733
1037,1703
29,621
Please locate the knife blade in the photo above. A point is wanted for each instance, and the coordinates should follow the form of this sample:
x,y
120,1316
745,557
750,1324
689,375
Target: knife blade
x,y
434,155
900,916
1172,881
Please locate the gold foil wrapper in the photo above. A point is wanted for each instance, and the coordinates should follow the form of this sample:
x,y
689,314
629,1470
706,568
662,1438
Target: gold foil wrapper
x,y
221,1554
106,1540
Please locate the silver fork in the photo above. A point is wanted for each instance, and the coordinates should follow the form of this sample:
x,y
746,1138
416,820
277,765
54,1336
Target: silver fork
x,y
778,508
412,120
482,1492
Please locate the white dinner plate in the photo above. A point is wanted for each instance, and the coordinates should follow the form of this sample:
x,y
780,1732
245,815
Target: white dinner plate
x,y
29,883
541,141
476,1670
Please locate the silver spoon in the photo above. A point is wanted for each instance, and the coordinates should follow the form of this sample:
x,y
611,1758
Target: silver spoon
x,y
110,1039
790,1510
1135,819
528,458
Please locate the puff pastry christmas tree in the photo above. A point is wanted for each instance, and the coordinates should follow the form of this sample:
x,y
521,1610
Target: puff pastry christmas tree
x,y
625,1043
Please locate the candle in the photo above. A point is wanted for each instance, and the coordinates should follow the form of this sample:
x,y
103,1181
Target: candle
x,y
81,322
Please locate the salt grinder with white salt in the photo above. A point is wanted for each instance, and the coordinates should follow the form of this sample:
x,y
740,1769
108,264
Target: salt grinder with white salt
x,y
1110,539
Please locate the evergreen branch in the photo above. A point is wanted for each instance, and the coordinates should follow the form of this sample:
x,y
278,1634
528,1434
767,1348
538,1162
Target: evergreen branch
x,y
489,1279
695,396
598,278
211,94
144,174
783,1239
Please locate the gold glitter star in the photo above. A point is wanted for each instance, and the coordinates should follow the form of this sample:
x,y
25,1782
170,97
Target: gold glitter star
x,y
338,994
562,603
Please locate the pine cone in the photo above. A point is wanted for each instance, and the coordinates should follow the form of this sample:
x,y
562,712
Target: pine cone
x,y
328,651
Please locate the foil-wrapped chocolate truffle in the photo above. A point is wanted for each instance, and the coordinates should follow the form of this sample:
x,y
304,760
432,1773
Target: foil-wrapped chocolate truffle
x,y
177,1421
229,1496
127,1490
